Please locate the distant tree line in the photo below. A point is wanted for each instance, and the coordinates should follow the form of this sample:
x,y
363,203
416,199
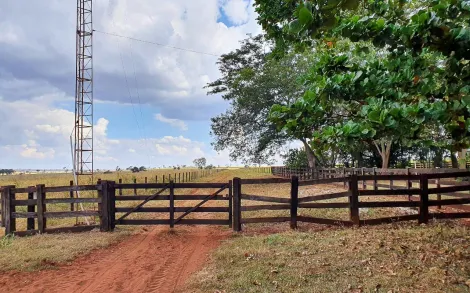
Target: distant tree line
x,y
6,171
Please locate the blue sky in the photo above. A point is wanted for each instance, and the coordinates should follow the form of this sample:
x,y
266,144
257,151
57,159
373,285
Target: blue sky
x,y
170,125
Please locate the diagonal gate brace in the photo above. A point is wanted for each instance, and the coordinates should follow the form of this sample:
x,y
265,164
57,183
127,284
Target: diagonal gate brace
x,y
141,204
209,197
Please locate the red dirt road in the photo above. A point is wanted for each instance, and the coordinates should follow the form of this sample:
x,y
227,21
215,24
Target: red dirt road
x,y
152,261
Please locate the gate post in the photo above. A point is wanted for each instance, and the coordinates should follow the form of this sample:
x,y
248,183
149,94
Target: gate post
x,y
112,204
172,204
237,202
31,209
354,200
8,208
41,207
230,204
104,206
294,201
423,199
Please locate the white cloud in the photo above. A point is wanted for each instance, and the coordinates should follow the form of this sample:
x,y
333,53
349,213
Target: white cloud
x,y
237,11
173,122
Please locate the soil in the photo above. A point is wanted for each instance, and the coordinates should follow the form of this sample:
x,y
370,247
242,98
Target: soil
x,y
155,260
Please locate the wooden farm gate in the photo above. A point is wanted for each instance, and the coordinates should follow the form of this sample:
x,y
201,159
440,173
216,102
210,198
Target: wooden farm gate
x,y
117,209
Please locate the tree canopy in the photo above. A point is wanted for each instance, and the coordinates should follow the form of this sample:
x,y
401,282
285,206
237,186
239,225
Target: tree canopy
x,y
387,72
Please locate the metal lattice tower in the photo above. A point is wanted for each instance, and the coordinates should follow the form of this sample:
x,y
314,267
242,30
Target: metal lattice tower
x,y
83,151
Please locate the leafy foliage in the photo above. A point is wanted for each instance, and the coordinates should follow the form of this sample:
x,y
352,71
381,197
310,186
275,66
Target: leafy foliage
x,y
200,162
296,159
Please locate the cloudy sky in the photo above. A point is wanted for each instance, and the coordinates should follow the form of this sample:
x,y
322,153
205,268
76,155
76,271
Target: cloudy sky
x,y
170,125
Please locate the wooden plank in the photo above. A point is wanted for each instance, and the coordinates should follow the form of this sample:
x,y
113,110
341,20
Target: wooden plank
x,y
446,202
294,201
324,221
265,198
24,202
23,190
237,203
69,188
172,204
59,215
265,181
143,222
57,230
324,205
354,200
203,222
31,209
265,220
388,220
388,192
324,196
388,204
73,200
387,177
167,197
423,199
177,210
449,215
41,208
201,185
8,209
449,189
449,175
323,181
271,207
28,215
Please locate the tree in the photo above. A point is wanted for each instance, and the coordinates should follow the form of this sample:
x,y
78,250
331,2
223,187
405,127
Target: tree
x,y
295,159
142,168
420,80
253,81
200,162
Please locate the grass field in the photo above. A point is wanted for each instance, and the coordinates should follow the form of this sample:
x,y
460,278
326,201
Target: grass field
x,y
389,258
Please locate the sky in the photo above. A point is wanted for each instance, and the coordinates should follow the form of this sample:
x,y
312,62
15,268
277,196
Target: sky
x,y
150,107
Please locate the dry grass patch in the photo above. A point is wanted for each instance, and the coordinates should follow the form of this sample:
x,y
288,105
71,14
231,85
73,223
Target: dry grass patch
x,y
49,250
389,258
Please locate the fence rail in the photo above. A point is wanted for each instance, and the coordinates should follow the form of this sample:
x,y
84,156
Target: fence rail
x,y
414,193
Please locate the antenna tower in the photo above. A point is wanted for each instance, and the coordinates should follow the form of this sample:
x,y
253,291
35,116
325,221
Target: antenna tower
x,y
83,150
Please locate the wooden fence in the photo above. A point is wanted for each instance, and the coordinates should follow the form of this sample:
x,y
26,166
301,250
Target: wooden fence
x,y
408,197
39,202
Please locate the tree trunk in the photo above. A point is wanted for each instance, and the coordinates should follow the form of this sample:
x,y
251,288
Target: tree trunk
x,y
463,159
384,151
453,158
310,155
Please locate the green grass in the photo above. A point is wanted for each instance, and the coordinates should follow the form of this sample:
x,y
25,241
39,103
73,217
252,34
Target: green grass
x,y
389,258
49,250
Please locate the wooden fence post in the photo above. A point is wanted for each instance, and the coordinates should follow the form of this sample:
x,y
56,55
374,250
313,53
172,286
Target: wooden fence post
x,y
374,172
112,204
237,202
31,208
172,204
145,180
72,207
104,206
344,175
41,208
230,204
391,181
120,189
438,185
364,186
8,209
156,178
423,199
135,188
409,184
294,201
354,200
179,177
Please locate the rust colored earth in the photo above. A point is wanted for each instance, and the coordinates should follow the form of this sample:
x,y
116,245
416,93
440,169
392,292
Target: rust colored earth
x,y
156,260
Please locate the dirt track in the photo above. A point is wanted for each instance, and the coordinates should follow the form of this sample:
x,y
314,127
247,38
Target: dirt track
x,y
153,261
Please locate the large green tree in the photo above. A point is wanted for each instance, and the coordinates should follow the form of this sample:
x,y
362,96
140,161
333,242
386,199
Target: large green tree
x,y
419,78
253,81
